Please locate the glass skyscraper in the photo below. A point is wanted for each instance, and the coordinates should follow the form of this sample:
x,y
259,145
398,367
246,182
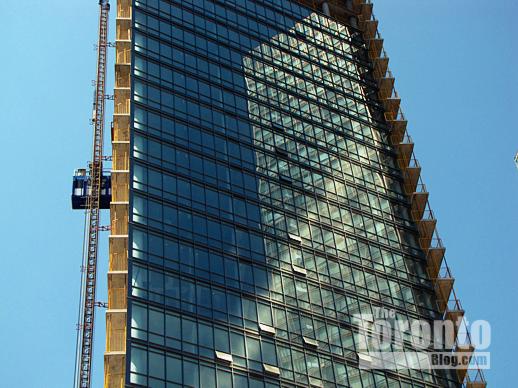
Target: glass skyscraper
x,y
264,195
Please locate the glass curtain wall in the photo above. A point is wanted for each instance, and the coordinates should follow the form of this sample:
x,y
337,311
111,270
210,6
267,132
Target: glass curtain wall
x,y
266,203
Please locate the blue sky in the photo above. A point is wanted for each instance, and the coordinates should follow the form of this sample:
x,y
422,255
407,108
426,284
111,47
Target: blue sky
x,y
454,63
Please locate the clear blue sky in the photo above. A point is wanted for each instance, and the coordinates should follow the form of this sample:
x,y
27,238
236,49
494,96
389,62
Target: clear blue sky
x,y
455,65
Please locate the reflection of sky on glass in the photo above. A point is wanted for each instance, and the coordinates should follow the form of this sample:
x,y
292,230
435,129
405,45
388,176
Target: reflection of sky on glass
x,y
297,99
301,100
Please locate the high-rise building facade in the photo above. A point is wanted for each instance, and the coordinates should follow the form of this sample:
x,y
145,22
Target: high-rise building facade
x,y
264,195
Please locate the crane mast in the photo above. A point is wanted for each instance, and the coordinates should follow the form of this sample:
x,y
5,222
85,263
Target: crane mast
x,y
85,341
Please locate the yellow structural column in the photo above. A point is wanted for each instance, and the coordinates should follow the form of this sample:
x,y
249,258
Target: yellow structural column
x,y
116,315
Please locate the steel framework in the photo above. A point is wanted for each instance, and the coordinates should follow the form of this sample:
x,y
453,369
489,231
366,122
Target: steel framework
x,y
88,303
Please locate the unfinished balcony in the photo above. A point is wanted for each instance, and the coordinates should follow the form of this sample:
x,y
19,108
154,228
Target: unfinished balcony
x,y
369,28
380,65
475,379
412,176
476,384
454,314
443,288
391,104
419,201
375,47
398,124
464,351
386,85
405,150
338,9
435,256
366,11
426,227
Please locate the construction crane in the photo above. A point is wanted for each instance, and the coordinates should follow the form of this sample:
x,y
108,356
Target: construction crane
x,y
90,193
